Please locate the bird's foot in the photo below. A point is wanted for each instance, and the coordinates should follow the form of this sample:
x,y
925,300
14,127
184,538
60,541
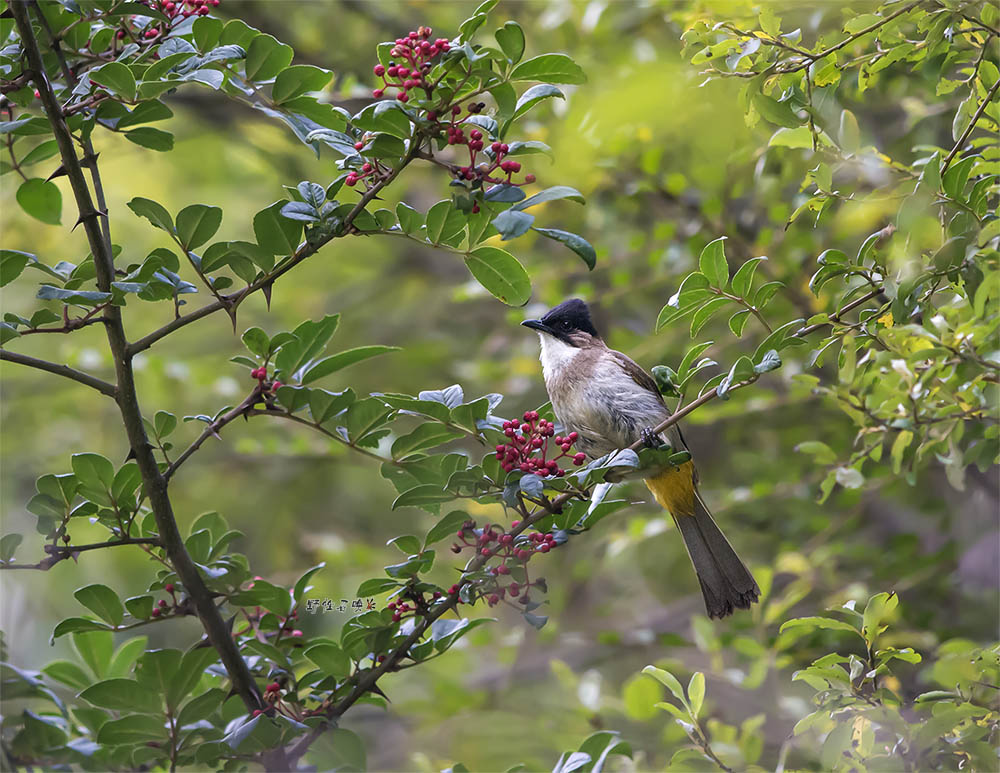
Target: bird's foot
x,y
649,438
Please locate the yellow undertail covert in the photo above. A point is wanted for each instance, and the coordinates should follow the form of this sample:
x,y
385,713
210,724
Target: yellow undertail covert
x,y
674,489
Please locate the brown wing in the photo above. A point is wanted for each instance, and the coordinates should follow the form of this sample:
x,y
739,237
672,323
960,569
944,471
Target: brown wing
x,y
643,379
639,376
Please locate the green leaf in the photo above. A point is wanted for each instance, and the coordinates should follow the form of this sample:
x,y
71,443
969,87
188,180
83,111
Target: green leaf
x,y
551,194
9,544
133,729
668,680
877,609
276,234
266,57
312,339
500,273
154,139
189,673
549,68
206,30
426,494
67,672
302,584
196,224
77,625
157,670
779,113
116,77
338,749
140,607
696,692
341,360
827,623
153,212
12,263
94,647
578,244
792,138
123,695
713,263
743,278
511,40
298,79
446,527
103,601
510,223
41,199
257,341
706,312
534,95
849,133
426,435
739,321
201,707
95,473
409,219
330,659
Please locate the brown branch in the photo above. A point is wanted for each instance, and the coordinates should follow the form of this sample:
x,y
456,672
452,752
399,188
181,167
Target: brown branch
x,y
972,125
61,370
154,482
59,553
212,430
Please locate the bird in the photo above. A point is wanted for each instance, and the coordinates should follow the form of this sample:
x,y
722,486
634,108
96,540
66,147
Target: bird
x,y
611,403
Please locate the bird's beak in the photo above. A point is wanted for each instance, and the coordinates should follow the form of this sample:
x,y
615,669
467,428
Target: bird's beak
x,y
537,324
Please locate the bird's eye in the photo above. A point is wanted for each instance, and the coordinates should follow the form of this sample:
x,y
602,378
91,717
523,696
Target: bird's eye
x,y
565,324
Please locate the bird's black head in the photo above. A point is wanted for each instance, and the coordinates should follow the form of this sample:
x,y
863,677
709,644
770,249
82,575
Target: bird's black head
x,y
568,322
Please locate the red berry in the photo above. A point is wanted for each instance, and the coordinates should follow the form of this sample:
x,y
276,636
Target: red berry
x,y
274,687
257,712
378,93
169,587
155,613
503,569
358,145
402,97
529,178
579,459
545,547
396,617
453,590
573,437
515,524
163,604
379,70
486,552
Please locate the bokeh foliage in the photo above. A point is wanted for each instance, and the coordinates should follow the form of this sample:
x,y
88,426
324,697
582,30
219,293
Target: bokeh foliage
x,y
864,463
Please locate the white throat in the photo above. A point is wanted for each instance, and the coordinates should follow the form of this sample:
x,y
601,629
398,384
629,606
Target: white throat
x,y
555,356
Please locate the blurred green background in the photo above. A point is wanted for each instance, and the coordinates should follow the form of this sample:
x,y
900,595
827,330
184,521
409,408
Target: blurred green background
x,y
666,165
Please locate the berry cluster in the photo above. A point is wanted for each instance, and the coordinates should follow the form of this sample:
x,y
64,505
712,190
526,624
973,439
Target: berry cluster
x,y
411,62
161,607
172,10
513,552
528,446
261,375
369,169
496,155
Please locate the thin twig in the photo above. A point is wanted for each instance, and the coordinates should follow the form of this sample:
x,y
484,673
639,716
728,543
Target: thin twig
x,y
59,553
61,370
305,250
972,125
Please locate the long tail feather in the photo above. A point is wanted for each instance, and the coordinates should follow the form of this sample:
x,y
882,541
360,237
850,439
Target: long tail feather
x,y
725,581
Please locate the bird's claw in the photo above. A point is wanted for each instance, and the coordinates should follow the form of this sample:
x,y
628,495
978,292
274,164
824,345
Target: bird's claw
x,y
649,438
